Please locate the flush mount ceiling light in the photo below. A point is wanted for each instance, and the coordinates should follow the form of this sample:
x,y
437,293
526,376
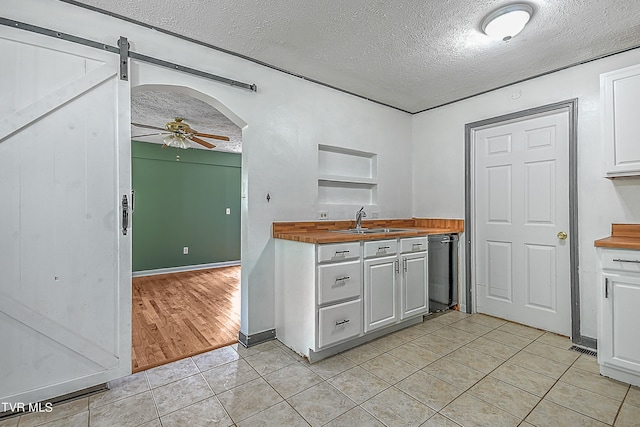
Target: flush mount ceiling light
x,y
506,22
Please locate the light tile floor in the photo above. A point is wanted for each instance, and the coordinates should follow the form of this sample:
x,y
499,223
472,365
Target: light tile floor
x,y
455,369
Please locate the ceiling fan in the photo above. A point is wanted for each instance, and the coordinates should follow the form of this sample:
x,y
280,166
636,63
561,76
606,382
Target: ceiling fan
x,y
179,133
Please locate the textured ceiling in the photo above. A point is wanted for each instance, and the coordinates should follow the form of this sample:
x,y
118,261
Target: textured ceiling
x,y
157,108
412,55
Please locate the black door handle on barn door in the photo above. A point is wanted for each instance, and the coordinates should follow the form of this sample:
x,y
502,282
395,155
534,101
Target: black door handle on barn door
x,y
125,214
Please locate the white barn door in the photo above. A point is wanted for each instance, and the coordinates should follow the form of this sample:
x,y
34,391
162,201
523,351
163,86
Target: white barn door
x,y
522,266
65,287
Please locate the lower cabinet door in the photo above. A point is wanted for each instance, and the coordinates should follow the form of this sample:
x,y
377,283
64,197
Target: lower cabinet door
x,y
380,292
618,343
414,287
339,322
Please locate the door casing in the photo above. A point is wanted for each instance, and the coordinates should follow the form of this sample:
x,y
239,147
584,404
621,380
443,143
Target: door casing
x,y
571,106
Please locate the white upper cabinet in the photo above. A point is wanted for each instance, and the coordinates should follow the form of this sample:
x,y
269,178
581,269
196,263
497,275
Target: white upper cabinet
x,y
620,106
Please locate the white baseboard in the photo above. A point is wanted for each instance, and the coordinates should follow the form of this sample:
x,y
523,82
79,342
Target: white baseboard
x,y
184,268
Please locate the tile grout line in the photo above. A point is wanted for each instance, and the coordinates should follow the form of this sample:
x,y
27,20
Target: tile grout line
x,y
153,397
520,351
489,373
403,342
557,381
621,405
554,384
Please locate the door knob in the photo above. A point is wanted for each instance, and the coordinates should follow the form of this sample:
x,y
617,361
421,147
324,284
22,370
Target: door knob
x,y
562,235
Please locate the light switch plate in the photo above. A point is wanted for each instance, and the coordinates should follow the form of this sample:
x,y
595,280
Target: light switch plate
x,y
185,250
228,211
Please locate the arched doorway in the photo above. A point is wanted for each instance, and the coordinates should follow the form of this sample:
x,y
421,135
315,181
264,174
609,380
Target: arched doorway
x,y
185,227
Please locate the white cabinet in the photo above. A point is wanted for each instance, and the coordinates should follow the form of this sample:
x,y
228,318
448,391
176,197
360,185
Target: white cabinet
x,y
395,287
333,296
339,281
618,343
380,292
318,294
338,278
339,322
415,298
380,284
414,286
337,252
620,103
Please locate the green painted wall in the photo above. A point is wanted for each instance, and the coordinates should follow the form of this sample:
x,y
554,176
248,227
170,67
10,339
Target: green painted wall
x,y
182,203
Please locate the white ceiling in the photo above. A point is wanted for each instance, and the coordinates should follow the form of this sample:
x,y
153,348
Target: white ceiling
x,y
412,55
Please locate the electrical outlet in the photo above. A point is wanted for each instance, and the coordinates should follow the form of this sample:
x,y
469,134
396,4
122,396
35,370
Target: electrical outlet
x,y
228,211
185,250
324,214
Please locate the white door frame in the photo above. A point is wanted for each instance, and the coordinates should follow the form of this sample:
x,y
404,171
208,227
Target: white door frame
x,y
571,106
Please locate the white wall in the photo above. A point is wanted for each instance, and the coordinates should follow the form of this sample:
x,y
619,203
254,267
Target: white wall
x,y
285,121
438,160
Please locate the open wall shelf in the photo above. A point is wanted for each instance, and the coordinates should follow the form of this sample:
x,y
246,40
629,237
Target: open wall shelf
x,y
346,177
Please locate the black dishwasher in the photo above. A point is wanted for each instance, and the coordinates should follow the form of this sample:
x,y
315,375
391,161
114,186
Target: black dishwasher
x,y
443,271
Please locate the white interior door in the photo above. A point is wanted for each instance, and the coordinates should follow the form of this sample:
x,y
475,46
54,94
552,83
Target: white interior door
x,y
65,269
521,186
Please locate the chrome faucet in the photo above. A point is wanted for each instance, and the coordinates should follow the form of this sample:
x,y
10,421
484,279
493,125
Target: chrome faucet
x,y
361,213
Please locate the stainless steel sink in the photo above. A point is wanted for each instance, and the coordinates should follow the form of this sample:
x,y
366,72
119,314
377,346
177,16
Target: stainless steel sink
x,y
372,230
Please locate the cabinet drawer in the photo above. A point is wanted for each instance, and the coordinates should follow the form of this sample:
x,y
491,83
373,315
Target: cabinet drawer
x,y
621,260
380,248
413,244
339,281
339,322
338,251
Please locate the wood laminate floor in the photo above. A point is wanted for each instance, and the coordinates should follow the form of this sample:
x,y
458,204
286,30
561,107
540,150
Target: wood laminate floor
x,y
179,315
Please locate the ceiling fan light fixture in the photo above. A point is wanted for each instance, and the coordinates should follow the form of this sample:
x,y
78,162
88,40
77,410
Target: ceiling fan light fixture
x,y
507,22
177,141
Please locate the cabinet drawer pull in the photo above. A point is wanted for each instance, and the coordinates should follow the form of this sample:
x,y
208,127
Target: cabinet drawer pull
x,y
405,264
342,322
383,248
413,245
342,253
342,279
606,287
397,266
635,261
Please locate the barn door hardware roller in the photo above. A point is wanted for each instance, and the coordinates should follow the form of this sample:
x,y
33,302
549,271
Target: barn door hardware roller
x,y
123,44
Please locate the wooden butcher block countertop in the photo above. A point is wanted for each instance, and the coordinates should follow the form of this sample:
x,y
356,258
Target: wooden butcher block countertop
x,y
623,236
325,231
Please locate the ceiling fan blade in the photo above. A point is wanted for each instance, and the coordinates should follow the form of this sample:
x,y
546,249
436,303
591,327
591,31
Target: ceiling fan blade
x,y
208,135
149,134
147,126
202,142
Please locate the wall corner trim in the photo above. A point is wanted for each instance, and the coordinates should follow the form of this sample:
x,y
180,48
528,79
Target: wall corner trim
x,y
255,339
